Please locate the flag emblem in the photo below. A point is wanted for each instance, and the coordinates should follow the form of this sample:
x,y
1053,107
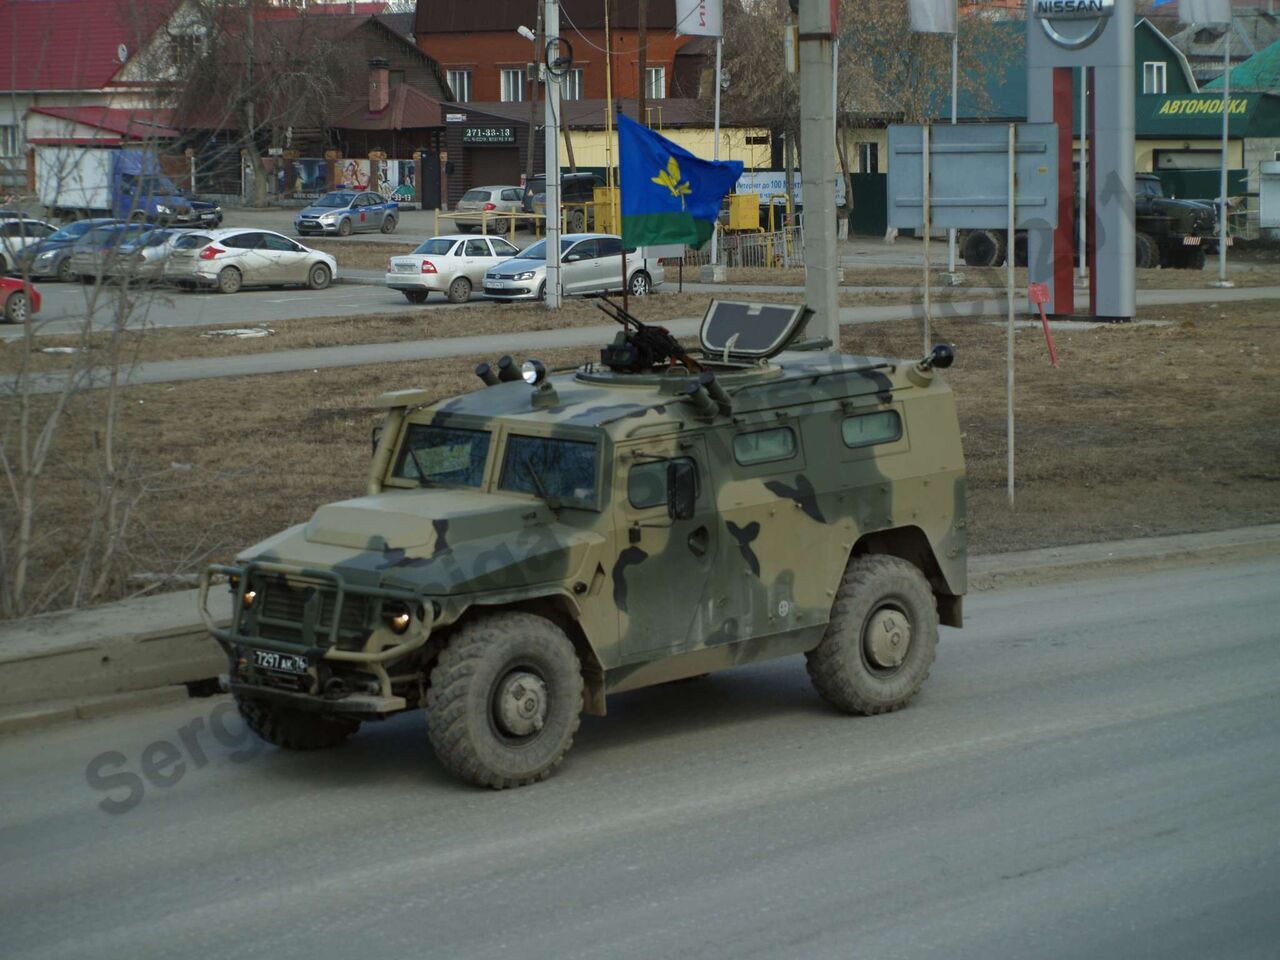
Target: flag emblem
x,y
670,178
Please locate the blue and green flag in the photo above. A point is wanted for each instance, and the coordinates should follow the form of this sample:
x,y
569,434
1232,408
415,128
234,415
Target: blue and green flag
x,y
668,194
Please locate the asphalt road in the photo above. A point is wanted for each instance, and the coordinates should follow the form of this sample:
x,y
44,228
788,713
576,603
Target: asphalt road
x,y
1093,770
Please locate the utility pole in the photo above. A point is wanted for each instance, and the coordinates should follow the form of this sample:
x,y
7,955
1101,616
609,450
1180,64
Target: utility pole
x,y
642,66
551,141
817,22
535,73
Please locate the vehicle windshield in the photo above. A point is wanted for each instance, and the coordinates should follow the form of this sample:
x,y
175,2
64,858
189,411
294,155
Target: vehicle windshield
x,y
191,241
1150,188
448,456
335,200
438,246
476,195
551,467
72,231
157,186
538,251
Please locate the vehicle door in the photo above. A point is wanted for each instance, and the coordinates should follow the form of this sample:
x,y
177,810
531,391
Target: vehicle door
x,y
503,251
477,257
577,267
661,578
609,264
364,217
245,251
288,260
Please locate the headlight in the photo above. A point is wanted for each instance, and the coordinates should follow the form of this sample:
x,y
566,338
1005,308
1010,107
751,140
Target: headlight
x,y
528,275
328,217
46,257
161,208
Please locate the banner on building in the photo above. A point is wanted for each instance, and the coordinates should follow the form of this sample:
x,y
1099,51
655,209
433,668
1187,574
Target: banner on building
x,y
398,180
933,16
1204,11
699,18
353,174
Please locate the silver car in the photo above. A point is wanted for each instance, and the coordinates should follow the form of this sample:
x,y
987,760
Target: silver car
x,y
17,235
485,206
348,211
454,265
143,258
99,249
229,259
590,263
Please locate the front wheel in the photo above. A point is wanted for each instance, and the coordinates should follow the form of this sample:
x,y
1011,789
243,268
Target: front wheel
x,y
294,729
64,271
344,228
983,248
640,284
1146,253
230,280
415,296
460,290
389,225
881,640
505,700
318,277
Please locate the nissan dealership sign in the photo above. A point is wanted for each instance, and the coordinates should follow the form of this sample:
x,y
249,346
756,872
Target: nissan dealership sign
x,y
1072,24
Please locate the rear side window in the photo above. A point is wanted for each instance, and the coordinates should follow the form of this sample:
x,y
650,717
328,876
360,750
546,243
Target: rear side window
x,y
609,247
647,482
764,446
869,429
477,248
243,241
511,194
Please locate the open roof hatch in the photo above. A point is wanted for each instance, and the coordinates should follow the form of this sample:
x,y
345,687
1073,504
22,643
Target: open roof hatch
x,y
734,331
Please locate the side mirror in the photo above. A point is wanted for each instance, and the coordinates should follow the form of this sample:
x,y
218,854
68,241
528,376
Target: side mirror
x,y
572,258
375,438
682,489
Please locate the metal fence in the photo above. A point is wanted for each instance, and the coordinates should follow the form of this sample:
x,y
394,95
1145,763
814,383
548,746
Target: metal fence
x,y
767,250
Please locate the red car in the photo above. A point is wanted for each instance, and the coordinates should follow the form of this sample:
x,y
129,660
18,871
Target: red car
x,y
19,299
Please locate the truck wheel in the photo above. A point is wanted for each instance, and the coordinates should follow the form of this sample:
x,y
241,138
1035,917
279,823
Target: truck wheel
x,y
460,290
230,280
1193,258
294,729
344,228
881,640
504,700
1020,248
576,221
983,248
1146,254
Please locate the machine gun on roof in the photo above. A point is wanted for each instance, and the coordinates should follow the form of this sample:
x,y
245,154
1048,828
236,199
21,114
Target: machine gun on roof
x,y
641,346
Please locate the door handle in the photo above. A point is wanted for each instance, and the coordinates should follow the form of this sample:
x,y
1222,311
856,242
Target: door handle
x,y
698,542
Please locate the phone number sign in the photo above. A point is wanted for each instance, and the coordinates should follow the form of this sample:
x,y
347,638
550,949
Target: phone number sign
x,y
489,135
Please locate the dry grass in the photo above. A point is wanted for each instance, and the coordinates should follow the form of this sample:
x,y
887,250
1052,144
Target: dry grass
x,y
360,254
1143,430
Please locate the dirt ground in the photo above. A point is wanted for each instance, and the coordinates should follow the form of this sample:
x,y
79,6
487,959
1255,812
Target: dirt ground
x,y
1142,430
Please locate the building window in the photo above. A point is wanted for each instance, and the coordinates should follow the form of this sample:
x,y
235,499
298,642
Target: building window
x,y
655,82
868,158
512,86
460,84
9,141
1155,77
571,89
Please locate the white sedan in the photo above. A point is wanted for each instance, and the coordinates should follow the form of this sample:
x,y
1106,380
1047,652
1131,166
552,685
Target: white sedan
x,y
453,265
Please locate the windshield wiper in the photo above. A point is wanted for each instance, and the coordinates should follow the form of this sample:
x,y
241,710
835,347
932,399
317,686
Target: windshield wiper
x,y
422,473
537,480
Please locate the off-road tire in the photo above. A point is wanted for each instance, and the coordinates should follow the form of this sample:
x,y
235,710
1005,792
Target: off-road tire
x,y
461,711
984,248
1021,248
319,277
416,296
460,290
576,221
345,228
63,273
15,307
640,284
840,667
230,280
294,729
1145,252
388,225
1193,258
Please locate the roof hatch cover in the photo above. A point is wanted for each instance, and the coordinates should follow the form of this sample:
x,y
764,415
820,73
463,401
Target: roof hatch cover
x,y
734,330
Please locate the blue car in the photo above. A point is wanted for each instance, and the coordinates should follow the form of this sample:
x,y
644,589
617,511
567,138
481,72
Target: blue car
x,y
344,212
51,257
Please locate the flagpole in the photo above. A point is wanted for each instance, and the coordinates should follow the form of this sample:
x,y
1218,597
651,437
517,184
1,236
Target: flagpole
x,y
1222,188
953,278
715,151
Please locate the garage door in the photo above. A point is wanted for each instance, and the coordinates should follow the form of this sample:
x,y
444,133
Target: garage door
x,y
494,165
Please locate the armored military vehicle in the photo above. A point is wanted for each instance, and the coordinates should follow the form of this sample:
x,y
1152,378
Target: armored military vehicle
x,y
528,549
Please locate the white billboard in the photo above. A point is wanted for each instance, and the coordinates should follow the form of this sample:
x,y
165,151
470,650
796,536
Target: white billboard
x,y
699,18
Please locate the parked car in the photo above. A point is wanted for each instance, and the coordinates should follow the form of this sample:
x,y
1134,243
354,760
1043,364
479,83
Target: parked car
x,y
92,253
142,258
575,189
16,235
590,263
51,257
453,264
19,298
470,212
231,258
348,211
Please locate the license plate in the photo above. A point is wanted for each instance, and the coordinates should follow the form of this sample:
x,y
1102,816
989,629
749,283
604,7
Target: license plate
x,y
285,662
499,284
406,267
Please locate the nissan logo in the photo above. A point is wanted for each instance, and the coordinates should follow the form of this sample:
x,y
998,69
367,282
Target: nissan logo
x,y
1073,24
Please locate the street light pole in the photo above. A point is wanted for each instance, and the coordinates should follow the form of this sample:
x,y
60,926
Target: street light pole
x,y
953,278
1222,280
818,165
551,143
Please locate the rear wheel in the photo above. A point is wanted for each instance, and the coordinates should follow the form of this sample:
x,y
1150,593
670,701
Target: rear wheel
x,y
504,700
344,228
230,280
318,277
984,248
389,225
15,307
1193,258
1146,254
881,639
415,296
640,284
294,729
576,220
460,290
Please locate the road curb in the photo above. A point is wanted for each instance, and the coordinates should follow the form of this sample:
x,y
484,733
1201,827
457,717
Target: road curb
x,y
98,668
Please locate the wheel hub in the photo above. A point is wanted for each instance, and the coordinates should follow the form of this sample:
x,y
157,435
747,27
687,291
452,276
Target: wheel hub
x,y
887,638
520,704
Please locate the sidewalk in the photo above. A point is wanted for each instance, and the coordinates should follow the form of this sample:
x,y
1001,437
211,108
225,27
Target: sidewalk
x,y
86,663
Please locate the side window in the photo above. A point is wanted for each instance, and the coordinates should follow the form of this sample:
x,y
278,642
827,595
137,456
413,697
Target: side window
x,y
477,248
243,241
585,250
552,467
501,248
609,247
42,230
647,482
868,429
764,446
511,194
11,229
274,242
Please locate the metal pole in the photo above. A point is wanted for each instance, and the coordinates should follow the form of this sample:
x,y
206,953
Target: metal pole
x,y
928,227
551,148
817,166
1222,183
953,278
715,149
1012,201
1082,243
533,99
